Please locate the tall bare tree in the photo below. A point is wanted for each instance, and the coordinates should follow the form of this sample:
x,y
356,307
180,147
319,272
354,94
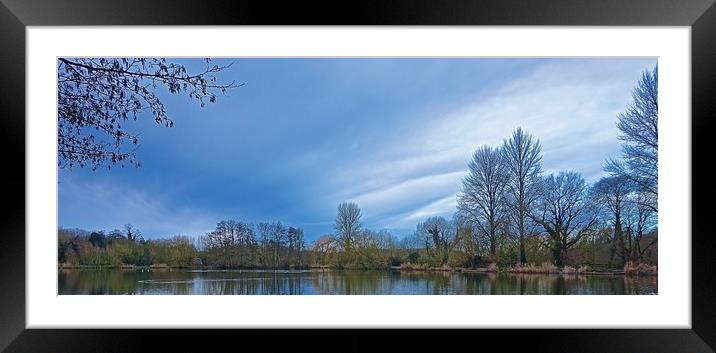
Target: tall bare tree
x,y
565,211
483,196
274,238
348,224
231,239
638,127
296,245
523,162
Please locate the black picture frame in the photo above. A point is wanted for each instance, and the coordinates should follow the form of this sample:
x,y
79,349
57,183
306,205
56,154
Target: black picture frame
x,y
15,15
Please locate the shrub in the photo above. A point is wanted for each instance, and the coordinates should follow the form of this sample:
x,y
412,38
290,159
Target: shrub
x,y
569,270
574,271
548,267
445,267
639,268
412,266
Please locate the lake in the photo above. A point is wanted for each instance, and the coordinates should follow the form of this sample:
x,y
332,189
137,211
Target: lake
x,y
326,282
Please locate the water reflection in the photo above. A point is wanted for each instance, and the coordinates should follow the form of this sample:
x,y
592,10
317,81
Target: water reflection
x,y
307,282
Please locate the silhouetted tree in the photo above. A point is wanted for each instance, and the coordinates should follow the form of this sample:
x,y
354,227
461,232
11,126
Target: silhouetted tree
x,y
98,239
132,233
97,98
115,234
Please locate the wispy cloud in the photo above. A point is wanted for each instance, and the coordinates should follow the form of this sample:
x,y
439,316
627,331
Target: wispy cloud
x,y
441,207
412,192
394,135
571,106
99,205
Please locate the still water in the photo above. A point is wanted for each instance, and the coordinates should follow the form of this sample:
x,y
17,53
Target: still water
x,y
307,282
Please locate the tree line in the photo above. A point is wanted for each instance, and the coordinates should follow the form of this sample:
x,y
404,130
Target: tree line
x,y
232,244
510,212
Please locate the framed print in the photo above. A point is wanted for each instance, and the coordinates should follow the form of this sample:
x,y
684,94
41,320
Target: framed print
x,y
191,169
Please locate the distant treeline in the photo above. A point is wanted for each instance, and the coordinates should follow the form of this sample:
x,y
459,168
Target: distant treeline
x,y
232,244
369,249
510,214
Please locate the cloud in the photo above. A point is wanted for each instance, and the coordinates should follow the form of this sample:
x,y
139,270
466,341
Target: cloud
x,y
440,207
393,135
415,191
571,106
105,206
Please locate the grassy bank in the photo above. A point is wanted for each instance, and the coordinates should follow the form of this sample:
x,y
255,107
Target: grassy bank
x,y
630,269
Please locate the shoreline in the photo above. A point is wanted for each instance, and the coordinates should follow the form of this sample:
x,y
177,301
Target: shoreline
x,y
615,272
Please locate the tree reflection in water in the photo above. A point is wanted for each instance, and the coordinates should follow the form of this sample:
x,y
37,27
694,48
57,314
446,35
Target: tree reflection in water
x,y
350,282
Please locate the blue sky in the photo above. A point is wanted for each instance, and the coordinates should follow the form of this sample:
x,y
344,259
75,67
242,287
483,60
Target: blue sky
x,y
392,134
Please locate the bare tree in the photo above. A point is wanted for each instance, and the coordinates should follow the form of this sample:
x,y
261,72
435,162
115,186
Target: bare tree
x,y
223,239
68,242
565,211
244,234
131,232
231,239
640,220
638,126
115,234
613,192
274,238
296,245
348,224
97,98
439,235
264,233
467,239
412,241
368,248
483,196
523,163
